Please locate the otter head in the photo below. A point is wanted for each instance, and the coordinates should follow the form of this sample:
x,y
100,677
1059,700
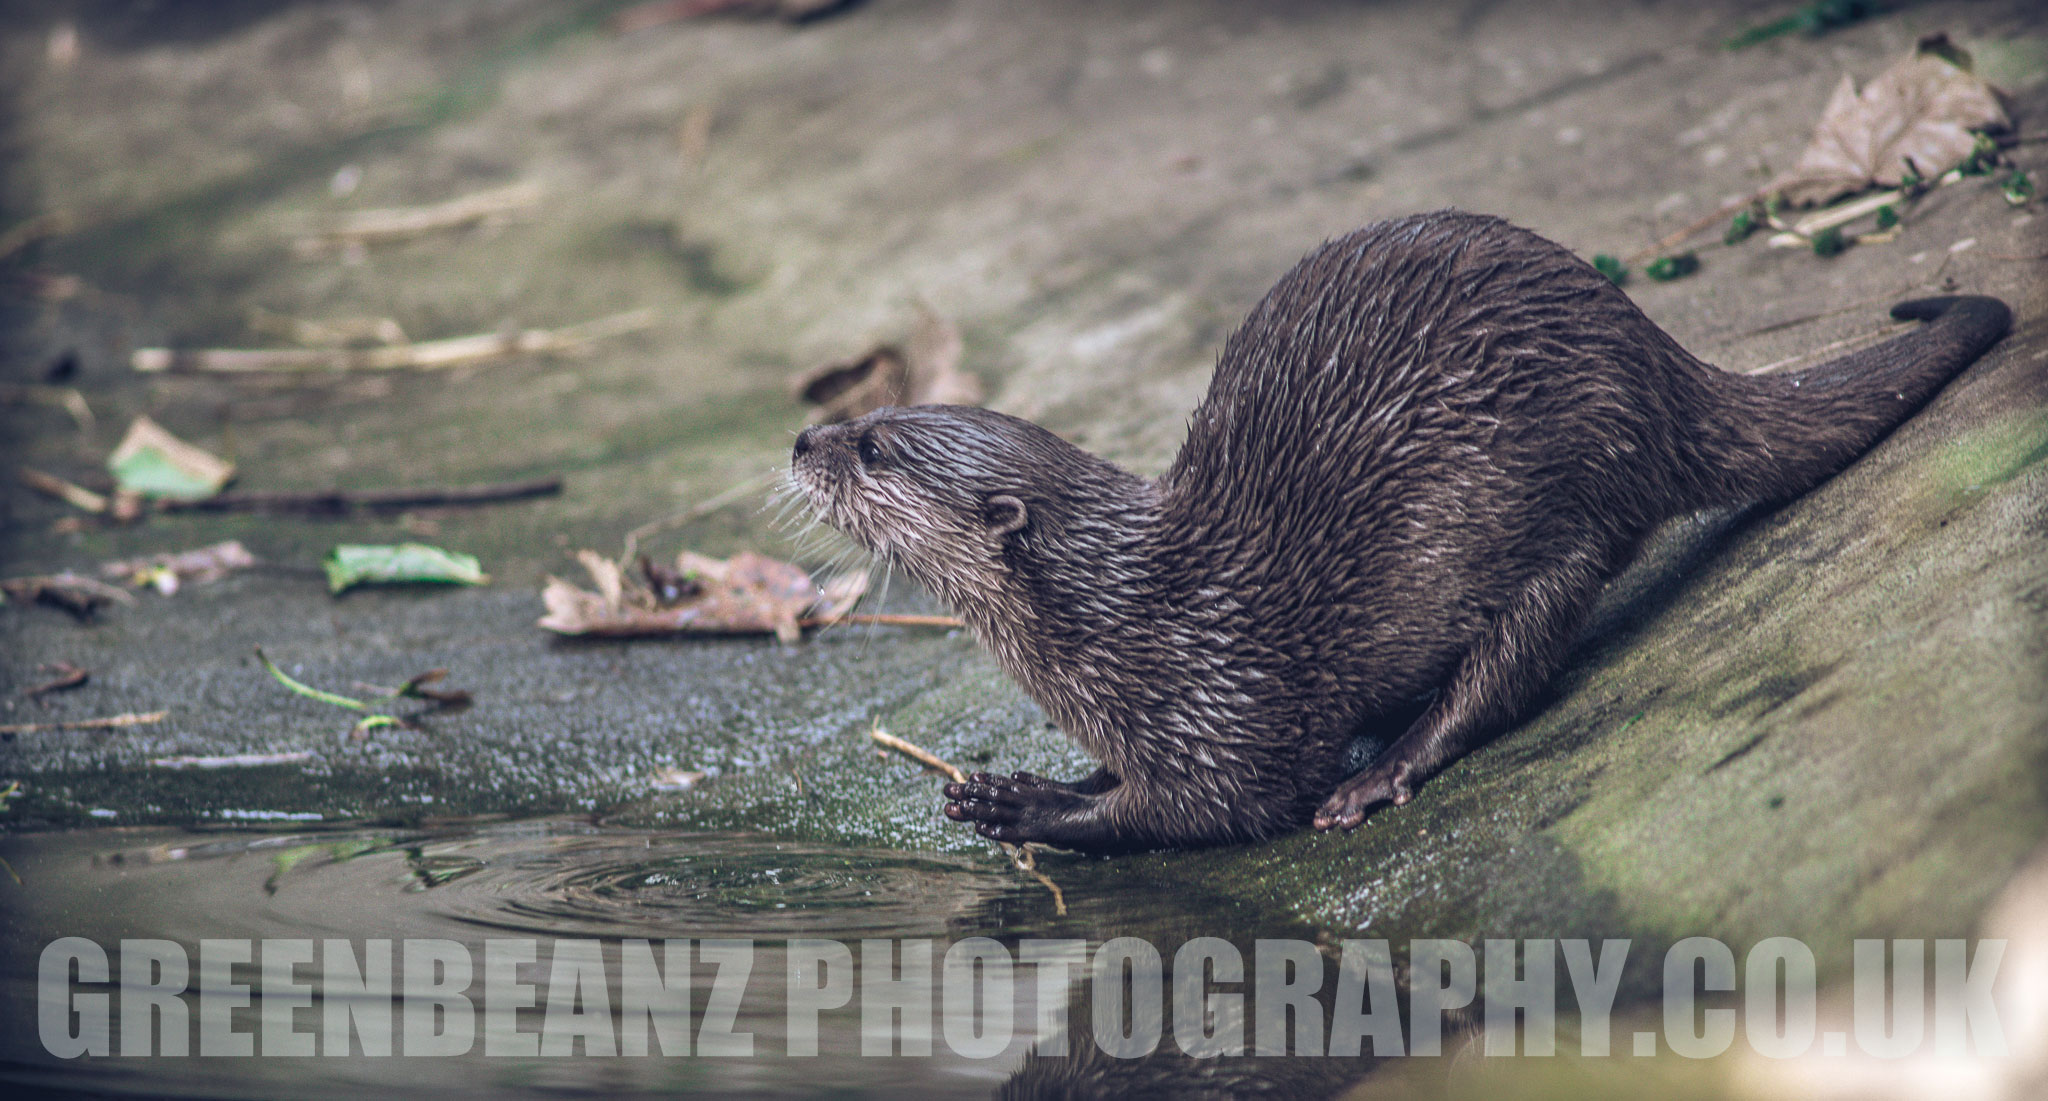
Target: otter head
x,y
995,515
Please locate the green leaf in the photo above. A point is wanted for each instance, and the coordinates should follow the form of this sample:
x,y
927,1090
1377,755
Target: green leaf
x,y
1887,217
1740,227
154,463
307,690
1612,268
2019,188
350,564
1666,268
1829,241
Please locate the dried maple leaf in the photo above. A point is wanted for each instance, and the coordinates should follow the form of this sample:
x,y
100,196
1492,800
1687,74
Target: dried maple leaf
x,y
925,371
1919,113
746,594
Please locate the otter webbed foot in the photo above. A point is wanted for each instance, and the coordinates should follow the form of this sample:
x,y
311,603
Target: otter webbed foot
x,y
1348,806
1018,808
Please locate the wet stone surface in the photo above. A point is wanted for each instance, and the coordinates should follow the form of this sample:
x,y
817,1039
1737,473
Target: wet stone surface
x,y
1826,721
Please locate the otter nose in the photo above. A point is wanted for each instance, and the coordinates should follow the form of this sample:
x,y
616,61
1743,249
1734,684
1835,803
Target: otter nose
x,y
804,440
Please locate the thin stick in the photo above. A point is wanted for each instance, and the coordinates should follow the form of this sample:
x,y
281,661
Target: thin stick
x,y
1020,855
71,493
1706,222
1810,353
882,619
67,398
397,223
336,501
111,721
695,512
451,352
1026,860
917,753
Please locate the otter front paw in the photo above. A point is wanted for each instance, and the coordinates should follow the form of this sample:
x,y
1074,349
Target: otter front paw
x,y
1015,809
1360,794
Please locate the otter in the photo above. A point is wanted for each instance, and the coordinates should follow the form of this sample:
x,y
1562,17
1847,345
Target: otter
x,y
1419,460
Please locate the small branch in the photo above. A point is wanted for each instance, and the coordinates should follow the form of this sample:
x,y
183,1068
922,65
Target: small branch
x,y
111,721
1022,856
695,512
451,352
68,676
1865,339
917,753
1706,222
67,398
22,234
334,502
1026,860
882,619
71,493
398,223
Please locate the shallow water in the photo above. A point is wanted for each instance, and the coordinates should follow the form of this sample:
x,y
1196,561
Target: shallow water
x,y
543,884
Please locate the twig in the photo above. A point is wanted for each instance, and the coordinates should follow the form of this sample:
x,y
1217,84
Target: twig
x,y
1026,860
1800,233
327,502
450,352
917,753
1020,855
695,512
1865,339
397,223
882,619
22,234
67,398
111,721
234,760
69,676
81,596
71,493
1706,222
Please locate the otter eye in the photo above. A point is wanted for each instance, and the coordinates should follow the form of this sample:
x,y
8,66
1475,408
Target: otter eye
x,y
870,451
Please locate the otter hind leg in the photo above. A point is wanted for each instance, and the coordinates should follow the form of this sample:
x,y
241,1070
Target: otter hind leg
x,y
1498,677
1095,783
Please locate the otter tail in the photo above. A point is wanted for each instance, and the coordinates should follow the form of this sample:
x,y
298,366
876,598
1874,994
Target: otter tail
x,y
1773,437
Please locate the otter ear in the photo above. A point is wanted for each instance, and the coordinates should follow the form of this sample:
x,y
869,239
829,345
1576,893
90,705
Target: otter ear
x,y
1004,514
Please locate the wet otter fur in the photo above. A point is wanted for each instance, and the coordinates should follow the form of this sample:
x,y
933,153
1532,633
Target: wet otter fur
x,y
1420,458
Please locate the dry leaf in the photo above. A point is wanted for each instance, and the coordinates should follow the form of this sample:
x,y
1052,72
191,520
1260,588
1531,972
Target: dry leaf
x,y
81,596
167,571
746,594
154,463
676,779
926,371
1921,110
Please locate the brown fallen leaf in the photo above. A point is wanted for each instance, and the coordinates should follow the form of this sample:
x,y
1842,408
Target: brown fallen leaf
x,y
443,699
925,371
1918,116
165,572
67,676
748,593
81,596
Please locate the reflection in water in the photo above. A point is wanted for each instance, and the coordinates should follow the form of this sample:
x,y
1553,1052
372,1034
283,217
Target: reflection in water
x,y
554,882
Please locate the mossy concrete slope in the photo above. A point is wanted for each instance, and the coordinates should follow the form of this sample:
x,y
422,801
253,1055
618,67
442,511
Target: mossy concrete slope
x,y
1821,721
